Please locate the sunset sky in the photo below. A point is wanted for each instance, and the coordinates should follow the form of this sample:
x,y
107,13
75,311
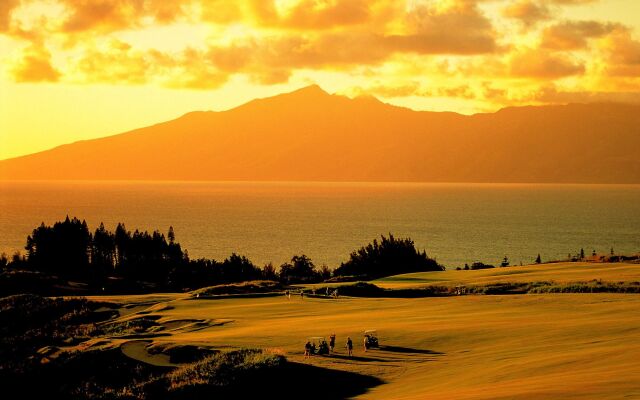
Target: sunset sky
x,y
80,69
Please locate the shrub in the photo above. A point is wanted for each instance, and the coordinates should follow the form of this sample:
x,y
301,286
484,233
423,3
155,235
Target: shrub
x,y
479,265
224,369
361,289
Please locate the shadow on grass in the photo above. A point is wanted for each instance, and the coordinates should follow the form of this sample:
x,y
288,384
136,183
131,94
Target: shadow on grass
x,y
291,381
356,358
398,349
313,382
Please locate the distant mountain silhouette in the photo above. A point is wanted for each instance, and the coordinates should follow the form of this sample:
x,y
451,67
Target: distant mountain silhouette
x,y
310,135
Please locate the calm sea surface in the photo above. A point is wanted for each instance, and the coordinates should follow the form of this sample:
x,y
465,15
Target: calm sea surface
x,y
270,222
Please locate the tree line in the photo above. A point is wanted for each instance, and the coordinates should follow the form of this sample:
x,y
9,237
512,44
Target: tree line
x,y
68,249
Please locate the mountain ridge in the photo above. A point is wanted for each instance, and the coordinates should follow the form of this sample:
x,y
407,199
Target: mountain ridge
x,y
311,135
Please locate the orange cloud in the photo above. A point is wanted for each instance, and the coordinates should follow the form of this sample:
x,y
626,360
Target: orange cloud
x,y
527,11
34,66
299,51
336,50
572,2
550,94
574,35
101,14
112,15
6,8
218,11
461,91
118,62
390,91
114,62
623,54
492,93
536,63
457,45
457,30
313,14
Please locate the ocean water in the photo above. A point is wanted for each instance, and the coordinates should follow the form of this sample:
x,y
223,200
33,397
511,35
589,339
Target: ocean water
x,y
270,222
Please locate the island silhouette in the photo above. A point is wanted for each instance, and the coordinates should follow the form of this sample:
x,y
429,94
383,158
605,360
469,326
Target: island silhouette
x,y
310,135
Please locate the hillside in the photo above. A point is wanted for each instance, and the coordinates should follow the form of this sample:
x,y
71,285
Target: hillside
x,y
551,346
562,273
569,346
311,135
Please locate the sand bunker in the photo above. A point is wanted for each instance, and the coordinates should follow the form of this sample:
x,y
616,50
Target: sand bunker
x,y
137,350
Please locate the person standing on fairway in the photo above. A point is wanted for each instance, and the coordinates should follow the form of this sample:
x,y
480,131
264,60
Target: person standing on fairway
x,y
332,341
307,349
349,346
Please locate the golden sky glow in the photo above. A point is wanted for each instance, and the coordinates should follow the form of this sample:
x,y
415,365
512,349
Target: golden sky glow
x,y
79,69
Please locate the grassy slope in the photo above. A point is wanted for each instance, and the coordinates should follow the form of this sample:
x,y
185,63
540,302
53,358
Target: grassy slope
x,y
559,272
470,347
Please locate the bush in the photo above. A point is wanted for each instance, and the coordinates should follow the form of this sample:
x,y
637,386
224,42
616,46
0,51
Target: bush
x,y
361,289
479,265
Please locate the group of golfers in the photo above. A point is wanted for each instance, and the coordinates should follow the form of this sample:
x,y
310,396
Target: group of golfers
x,y
310,348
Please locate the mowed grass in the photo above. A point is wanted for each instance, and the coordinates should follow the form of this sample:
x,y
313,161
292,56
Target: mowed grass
x,y
552,346
556,272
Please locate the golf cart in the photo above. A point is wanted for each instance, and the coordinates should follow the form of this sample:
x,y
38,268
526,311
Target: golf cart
x,y
319,345
371,338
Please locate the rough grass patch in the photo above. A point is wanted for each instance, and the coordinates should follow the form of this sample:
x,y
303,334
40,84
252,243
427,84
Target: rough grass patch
x,y
224,369
595,286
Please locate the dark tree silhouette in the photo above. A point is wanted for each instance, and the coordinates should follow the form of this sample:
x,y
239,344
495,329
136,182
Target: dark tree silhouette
x,y
239,268
193,274
103,251
505,262
325,272
300,269
538,259
269,272
122,238
390,256
62,249
68,249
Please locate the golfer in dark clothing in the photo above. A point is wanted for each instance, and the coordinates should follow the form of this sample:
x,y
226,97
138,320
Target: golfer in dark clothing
x,y
307,349
349,346
332,341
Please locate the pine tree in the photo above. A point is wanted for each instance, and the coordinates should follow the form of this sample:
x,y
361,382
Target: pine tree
x,y
538,259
